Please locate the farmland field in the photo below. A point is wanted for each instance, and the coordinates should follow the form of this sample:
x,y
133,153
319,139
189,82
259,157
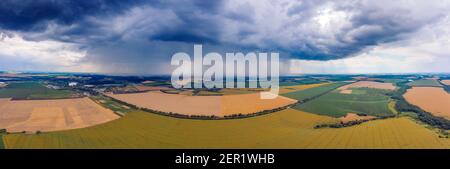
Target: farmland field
x,y
234,91
366,84
299,81
366,101
392,80
446,82
224,91
432,99
51,115
32,90
156,83
251,103
349,117
150,88
111,104
212,92
203,105
288,89
425,82
285,129
176,103
311,92
391,106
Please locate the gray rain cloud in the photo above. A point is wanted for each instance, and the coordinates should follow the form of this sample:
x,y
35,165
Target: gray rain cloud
x,y
141,36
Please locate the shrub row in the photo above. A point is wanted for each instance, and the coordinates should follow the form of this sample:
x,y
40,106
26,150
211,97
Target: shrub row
x,y
350,123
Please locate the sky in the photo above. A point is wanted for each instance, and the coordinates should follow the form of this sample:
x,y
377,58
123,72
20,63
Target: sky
x,y
140,36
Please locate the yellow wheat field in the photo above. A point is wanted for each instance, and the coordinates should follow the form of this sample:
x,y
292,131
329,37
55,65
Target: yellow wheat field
x,y
285,129
432,99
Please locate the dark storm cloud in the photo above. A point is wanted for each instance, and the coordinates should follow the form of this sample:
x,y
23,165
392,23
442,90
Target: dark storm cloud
x,y
197,24
35,15
30,14
313,30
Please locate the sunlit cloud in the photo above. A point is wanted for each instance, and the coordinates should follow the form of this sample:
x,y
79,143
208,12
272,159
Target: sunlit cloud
x,y
19,53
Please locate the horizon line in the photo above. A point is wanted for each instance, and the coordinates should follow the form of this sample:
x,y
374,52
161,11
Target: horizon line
x,y
284,75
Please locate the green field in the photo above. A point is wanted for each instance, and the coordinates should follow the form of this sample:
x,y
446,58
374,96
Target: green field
x,y
359,91
394,81
285,129
425,82
364,101
32,90
1,142
312,92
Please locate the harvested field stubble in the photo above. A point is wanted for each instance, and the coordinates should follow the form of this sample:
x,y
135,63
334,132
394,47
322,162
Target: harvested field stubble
x,y
203,105
51,115
366,84
431,99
